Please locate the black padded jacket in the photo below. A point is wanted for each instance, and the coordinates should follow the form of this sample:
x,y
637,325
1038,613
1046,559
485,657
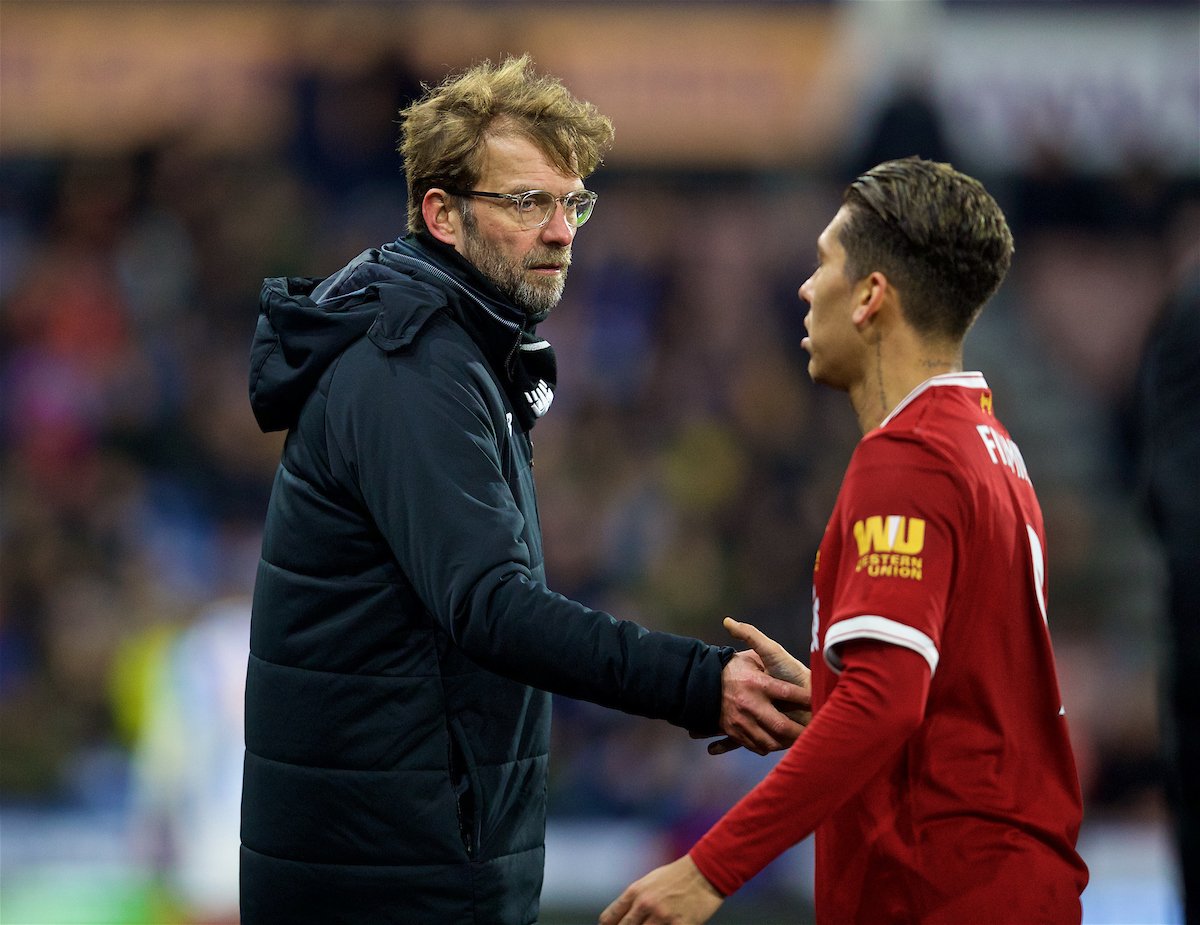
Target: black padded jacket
x,y
404,643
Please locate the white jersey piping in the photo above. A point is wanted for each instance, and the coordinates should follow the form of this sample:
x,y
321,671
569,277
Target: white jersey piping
x,y
882,629
971,380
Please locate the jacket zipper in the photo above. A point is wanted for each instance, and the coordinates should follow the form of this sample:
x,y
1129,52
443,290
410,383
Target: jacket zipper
x,y
459,788
436,271
450,279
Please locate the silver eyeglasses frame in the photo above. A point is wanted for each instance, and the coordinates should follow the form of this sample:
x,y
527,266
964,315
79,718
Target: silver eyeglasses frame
x,y
577,205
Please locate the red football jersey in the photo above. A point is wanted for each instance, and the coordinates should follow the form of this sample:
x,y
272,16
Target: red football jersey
x,y
936,544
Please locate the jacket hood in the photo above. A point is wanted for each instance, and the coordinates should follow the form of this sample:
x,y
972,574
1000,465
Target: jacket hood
x,y
387,294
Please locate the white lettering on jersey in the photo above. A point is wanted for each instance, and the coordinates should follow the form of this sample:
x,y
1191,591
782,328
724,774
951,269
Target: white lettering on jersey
x,y
1039,570
1003,451
816,627
1039,581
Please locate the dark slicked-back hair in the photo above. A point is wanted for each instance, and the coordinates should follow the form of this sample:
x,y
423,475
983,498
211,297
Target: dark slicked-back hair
x,y
936,234
443,136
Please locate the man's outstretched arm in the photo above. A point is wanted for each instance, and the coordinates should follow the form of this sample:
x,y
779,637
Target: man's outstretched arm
x,y
878,702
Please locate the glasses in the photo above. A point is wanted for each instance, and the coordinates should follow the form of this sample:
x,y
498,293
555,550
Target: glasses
x,y
536,206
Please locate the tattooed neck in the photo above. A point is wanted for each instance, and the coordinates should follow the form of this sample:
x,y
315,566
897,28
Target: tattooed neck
x,y
883,405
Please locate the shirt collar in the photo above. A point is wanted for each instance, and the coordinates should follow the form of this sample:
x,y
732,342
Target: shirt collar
x,y
968,380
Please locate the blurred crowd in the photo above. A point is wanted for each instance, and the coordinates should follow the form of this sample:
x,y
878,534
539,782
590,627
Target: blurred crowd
x,y
686,470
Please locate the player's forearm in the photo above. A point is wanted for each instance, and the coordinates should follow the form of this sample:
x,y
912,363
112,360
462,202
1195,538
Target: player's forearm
x,y
877,704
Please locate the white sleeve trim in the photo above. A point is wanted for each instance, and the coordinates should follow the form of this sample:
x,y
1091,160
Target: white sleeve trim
x,y
882,629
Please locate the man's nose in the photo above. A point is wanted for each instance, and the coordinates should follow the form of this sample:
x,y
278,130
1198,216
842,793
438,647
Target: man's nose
x,y
558,230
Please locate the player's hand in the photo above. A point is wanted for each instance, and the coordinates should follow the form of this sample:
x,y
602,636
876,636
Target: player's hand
x,y
777,662
677,894
750,715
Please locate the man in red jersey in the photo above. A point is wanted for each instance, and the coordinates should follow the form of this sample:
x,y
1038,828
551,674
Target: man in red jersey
x,y
937,771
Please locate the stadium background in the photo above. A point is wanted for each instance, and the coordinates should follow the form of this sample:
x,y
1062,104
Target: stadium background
x,y
157,160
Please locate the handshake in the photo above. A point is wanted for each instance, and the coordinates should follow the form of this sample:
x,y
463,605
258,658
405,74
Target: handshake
x,y
765,695
766,698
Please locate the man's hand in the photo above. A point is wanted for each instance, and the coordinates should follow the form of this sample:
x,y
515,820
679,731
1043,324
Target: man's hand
x,y
677,894
745,718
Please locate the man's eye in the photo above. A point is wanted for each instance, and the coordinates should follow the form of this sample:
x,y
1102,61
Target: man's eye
x,y
537,202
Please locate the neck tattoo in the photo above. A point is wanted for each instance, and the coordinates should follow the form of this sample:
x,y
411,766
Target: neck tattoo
x,y
879,373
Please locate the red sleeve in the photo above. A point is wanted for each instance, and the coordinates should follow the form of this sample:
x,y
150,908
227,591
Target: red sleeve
x,y
900,513
877,703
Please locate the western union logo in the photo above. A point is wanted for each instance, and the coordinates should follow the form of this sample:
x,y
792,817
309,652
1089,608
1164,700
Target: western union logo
x,y
893,534
888,546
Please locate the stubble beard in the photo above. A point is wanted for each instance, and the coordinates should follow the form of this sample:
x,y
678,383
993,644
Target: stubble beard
x,y
533,296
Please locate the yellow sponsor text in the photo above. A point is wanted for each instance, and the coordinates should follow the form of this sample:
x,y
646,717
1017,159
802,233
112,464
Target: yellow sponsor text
x,y
893,533
894,565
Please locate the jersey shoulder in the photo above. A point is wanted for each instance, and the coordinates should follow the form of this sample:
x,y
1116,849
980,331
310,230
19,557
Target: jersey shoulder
x,y
948,422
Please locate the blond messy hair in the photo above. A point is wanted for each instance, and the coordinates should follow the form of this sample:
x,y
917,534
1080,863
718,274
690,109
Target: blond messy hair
x,y
443,133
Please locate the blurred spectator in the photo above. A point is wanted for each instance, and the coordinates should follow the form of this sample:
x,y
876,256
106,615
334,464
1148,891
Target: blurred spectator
x,y
1084,239
345,139
344,150
909,122
188,759
1167,415
67,337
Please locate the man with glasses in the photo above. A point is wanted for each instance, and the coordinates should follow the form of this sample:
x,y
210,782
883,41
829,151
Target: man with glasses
x,y
404,639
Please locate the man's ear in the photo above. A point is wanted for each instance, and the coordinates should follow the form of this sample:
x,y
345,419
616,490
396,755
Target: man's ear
x,y
441,218
870,293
